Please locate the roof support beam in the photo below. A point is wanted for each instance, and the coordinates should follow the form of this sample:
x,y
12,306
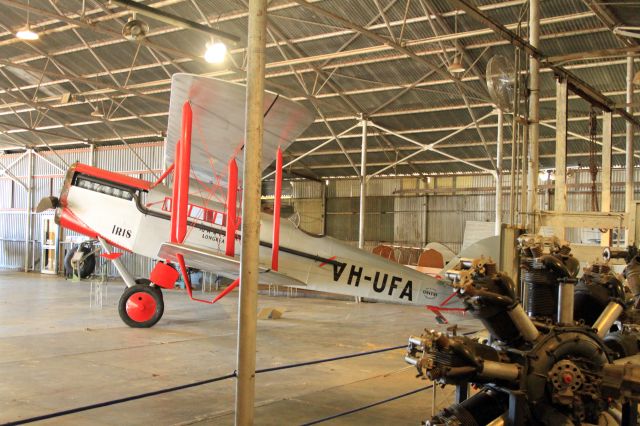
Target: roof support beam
x,y
5,170
176,21
428,147
161,86
577,85
384,41
595,54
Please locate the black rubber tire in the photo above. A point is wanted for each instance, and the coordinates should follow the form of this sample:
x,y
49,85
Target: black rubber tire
x,y
146,281
86,267
154,292
68,269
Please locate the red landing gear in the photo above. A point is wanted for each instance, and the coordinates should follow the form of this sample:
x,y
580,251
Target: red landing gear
x,y
141,306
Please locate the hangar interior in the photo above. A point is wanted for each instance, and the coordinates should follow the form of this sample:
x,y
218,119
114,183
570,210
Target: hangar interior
x,y
434,126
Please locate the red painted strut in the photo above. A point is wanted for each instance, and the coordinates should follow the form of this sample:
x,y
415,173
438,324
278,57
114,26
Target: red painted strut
x,y
164,175
232,194
182,172
174,197
277,199
187,284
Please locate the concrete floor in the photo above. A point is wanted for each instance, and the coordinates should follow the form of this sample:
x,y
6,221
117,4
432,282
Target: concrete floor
x,y
56,353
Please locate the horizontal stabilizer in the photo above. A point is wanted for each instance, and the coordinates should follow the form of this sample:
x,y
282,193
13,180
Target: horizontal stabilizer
x,y
214,262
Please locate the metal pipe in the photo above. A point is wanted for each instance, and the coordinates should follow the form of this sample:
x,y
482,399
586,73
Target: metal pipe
x,y
363,183
92,155
500,370
534,114
499,149
28,232
515,129
122,270
560,196
629,183
177,21
607,318
363,186
249,259
523,175
565,304
523,323
605,176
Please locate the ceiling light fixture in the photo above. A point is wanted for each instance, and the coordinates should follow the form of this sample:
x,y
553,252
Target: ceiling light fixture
x,y
96,113
216,52
135,29
456,66
26,33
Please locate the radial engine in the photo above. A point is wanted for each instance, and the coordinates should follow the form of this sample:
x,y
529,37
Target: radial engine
x,y
570,357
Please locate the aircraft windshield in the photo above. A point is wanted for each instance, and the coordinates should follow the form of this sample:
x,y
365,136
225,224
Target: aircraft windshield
x,y
103,188
198,212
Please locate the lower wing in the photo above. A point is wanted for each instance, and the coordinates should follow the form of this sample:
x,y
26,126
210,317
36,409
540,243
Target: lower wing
x,y
211,261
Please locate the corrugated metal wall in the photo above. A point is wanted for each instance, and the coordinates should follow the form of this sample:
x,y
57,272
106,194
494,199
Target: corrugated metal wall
x,y
415,211
48,175
404,211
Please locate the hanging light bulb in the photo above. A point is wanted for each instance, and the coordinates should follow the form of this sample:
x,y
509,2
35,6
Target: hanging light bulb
x,y
216,52
96,113
26,33
456,66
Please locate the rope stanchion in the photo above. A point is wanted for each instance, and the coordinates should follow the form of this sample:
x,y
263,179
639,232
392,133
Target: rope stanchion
x,y
355,410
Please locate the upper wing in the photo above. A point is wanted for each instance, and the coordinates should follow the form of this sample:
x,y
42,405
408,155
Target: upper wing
x,y
219,123
211,261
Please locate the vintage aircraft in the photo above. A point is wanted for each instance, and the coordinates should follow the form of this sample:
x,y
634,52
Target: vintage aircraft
x,y
190,223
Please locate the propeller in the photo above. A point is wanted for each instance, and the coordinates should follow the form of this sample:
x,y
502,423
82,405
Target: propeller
x,y
47,203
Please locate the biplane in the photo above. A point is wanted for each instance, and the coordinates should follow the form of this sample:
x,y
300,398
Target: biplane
x,y
195,221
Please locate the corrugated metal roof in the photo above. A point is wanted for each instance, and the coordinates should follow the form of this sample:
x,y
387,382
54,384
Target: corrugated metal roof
x,y
347,72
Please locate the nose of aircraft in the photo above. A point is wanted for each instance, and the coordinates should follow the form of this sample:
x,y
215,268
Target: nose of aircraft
x,y
47,203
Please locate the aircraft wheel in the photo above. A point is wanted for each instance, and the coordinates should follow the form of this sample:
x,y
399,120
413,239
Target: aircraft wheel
x,y
147,282
141,306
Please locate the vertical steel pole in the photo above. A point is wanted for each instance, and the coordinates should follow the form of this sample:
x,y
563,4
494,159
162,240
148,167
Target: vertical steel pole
x,y
92,155
254,127
363,186
363,183
534,115
500,143
515,131
629,184
28,232
524,178
605,203
560,196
